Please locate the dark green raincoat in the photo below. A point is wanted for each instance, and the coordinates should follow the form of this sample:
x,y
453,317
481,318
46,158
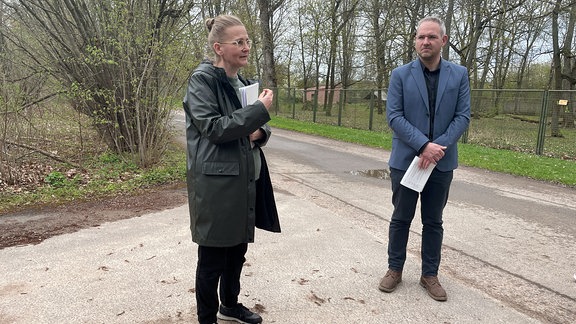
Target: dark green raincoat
x,y
226,203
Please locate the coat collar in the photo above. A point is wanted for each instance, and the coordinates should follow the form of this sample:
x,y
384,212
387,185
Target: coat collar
x,y
219,74
207,66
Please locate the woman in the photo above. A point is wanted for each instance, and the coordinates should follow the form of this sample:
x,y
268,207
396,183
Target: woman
x,y
229,189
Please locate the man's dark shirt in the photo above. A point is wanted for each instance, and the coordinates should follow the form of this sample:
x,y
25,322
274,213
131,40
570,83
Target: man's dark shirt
x,y
431,78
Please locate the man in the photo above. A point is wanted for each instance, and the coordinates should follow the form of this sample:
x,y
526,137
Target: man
x,y
428,109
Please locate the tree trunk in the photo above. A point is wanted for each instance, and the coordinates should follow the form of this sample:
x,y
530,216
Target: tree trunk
x,y
568,79
268,64
448,23
557,68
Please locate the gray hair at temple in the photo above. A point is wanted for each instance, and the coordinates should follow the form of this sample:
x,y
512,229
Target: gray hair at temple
x,y
435,19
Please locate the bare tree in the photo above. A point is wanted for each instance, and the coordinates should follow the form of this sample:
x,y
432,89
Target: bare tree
x,y
414,12
347,55
112,57
448,22
285,44
379,25
22,87
267,9
562,60
213,8
341,15
529,34
569,66
312,35
382,16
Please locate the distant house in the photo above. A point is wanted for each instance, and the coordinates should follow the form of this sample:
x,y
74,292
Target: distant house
x,y
309,94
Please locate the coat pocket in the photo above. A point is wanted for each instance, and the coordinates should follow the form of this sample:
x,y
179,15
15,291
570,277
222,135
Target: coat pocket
x,y
221,168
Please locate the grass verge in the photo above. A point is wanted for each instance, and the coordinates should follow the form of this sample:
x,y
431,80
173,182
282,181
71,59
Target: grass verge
x,y
104,176
108,174
532,166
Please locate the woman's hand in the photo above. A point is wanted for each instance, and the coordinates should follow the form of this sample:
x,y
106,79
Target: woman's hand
x,y
266,98
258,134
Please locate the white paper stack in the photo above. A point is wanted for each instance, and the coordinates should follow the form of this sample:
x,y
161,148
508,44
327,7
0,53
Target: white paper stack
x,y
416,178
249,94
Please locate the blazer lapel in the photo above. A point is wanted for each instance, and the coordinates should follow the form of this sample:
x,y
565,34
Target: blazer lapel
x,y
418,75
445,70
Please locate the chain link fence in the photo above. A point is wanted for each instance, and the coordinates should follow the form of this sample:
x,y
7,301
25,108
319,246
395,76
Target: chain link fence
x,y
534,121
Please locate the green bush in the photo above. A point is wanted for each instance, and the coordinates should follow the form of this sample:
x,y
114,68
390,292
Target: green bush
x,y
56,179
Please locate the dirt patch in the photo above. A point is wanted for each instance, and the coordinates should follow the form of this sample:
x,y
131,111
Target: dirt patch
x,y
35,225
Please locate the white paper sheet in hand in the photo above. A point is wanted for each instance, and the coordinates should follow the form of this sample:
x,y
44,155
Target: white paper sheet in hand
x,y
249,94
416,178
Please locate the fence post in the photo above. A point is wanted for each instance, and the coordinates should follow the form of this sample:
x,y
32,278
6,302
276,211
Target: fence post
x,y
293,104
340,107
542,124
276,93
371,118
315,106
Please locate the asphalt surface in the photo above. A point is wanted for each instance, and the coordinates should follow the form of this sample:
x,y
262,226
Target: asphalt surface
x,y
509,253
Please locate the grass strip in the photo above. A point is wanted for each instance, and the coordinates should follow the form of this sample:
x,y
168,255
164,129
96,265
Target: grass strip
x,y
528,165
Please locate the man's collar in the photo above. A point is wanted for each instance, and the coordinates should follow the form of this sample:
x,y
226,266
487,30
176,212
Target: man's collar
x,y
424,68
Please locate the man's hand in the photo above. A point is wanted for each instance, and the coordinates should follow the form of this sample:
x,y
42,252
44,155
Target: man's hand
x,y
432,154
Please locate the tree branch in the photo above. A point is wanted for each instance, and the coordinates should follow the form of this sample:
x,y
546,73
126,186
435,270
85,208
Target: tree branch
x,y
45,153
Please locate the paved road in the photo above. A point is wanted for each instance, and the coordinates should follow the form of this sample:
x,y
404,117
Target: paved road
x,y
509,253
511,238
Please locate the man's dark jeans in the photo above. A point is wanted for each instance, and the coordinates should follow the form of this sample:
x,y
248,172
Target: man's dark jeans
x,y
432,202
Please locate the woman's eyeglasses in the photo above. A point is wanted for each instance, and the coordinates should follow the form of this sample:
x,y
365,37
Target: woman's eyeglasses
x,y
240,43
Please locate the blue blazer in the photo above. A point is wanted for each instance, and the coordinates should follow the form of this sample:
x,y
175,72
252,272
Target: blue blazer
x,y
408,112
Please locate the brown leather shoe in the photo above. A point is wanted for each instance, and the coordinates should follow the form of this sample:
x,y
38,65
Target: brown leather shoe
x,y
390,281
433,287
